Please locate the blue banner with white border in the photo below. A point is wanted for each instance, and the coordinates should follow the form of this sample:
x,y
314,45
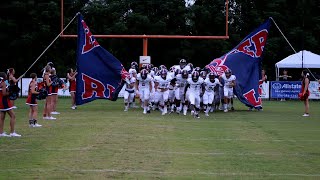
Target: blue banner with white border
x,y
285,89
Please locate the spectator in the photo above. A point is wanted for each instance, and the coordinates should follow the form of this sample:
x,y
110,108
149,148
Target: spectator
x,y
284,77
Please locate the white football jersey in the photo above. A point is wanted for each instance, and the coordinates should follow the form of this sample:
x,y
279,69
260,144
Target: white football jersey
x,y
132,80
163,83
209,86
195,87
227,81
171,74
144,83
181,82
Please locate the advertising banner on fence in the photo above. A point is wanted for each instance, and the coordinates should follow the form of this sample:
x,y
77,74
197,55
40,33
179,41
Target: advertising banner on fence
x,y
291,89
265,90
314,90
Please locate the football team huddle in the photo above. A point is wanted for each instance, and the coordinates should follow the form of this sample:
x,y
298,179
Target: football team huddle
x,y
179,89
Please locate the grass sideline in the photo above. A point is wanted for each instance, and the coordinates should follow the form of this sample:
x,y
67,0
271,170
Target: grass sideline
x,y
100,141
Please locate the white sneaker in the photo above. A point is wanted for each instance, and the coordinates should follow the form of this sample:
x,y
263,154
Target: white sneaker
x,y
51,118
305,115
192,113
55,112
226,110
4,134
206,114
45,118
37,125
145,111
184,112
14,134
73,107
125,109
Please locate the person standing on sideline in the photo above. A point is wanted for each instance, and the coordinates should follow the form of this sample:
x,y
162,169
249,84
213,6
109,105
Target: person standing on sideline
x,y
48,104
55,87
12,81
32,101
71,76
6,107
304,94
284,77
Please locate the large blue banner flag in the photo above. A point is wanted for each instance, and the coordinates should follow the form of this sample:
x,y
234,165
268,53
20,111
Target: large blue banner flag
x,y
245,62
100,74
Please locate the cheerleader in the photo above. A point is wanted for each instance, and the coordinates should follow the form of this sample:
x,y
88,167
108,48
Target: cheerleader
x,y
48,104
32,101
55,88
6,107
12,80
71,76
304,94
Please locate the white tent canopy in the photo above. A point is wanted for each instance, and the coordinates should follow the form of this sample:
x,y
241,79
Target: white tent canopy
x,y
302,59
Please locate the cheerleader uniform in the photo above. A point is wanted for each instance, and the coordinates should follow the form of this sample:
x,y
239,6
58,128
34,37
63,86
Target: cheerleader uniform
x,y
72,86
32,98
5,104
48,88
306,95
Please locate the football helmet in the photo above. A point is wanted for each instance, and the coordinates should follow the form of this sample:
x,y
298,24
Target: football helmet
x,y
163,73
182,63
228,73
184,74
203,74
144,74
177,71
195,76
212,76
162,67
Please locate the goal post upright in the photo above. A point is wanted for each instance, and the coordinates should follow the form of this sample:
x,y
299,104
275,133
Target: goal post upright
x,y
146,37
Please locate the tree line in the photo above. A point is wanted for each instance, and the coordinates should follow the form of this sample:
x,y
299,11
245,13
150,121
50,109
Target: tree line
x,y
27,28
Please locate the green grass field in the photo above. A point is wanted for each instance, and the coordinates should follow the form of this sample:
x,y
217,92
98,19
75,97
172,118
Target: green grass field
x,y
100,141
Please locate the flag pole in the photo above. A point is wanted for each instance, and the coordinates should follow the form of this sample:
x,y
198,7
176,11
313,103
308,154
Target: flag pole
x,y
291,45
50,44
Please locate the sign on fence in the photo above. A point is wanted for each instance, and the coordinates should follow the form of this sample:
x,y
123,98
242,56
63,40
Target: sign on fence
x,y
291,89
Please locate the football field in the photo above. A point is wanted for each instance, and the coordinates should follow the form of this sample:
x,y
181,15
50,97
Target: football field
x,y
101,141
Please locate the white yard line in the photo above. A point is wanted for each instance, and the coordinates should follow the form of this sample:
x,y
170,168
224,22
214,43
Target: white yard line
x,y
195,128
175,173
297,154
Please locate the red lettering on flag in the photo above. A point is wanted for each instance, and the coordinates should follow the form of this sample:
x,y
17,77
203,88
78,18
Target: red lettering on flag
x,y
111,89
90,41
245,48
92,87
259,40
254,46
252,99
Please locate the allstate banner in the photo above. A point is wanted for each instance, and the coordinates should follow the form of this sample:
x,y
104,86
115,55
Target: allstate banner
x,y
245,62
100,74
285,89
291,89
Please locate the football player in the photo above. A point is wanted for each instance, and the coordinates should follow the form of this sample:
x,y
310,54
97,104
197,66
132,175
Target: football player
x,y
209,85
229,83
162,83
144,87
129,92
181,81
195,83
